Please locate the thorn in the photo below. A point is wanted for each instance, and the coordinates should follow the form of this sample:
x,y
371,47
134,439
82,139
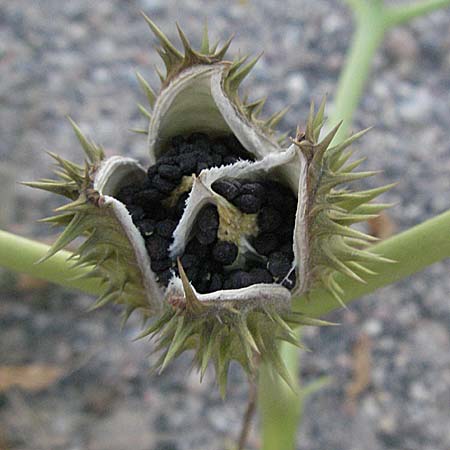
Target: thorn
x,y
193,304
237,77
166,44
205,40
151,96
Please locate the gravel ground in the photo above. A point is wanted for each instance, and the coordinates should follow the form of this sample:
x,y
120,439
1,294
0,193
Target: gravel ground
x,y
78,58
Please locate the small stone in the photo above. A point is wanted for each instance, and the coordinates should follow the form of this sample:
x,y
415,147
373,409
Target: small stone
x,y
227,188
225,252
248,203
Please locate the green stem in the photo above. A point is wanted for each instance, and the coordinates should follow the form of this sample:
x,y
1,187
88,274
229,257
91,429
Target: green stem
x,y
20,255
402,14
370,29
280,407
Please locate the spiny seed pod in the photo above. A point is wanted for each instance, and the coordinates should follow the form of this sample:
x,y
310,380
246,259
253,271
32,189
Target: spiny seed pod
x,y
225,226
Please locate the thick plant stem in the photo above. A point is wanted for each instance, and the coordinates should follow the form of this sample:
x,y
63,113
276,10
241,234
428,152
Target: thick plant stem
x,y
20,255
370,29
279,406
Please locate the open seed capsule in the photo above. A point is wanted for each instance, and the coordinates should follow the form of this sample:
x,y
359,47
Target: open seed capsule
x,y
213,238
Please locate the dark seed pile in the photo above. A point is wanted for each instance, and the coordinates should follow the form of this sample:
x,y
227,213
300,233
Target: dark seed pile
x,y
206,260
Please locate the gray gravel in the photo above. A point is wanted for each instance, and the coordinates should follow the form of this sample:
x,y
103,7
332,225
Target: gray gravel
x,y
78,59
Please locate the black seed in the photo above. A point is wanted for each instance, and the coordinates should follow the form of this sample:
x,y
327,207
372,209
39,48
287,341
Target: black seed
x,y
148,195
126,194
165,276
166,227
188,261
216,160
195,248
279,265
216,282
199,140
280,197
152,171
188,163
287,250
219,148
224,252
137,212
159,265
156,211
237,279
171,172
208,218
269,219
226,188
147,227
253,188
166,159
157,247
248,203
163,185
181,204
286,231
265,243
260,275
229,160
192,274
178,141
206,237
290,281
201,166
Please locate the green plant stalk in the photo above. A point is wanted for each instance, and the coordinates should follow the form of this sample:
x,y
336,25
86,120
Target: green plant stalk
x,y
369,33
21,255
280,407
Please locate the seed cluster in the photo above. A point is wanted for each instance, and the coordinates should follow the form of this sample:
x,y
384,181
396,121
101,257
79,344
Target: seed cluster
x,y
206,259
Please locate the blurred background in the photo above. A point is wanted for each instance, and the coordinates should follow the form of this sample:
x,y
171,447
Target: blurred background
x,y
74,380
